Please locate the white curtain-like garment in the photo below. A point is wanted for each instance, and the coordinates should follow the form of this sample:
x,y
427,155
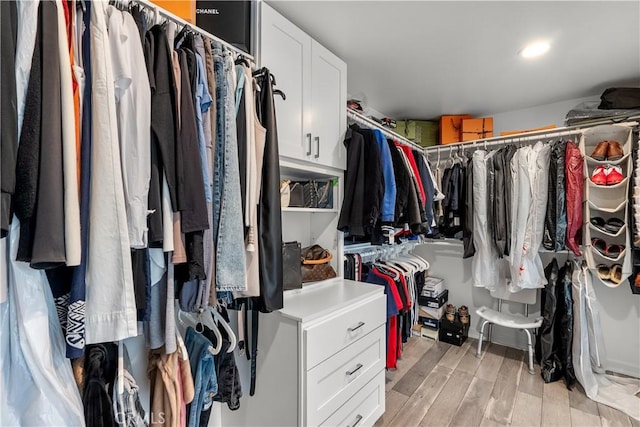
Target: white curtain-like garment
x,y
484,263
588,352
37,387
531,268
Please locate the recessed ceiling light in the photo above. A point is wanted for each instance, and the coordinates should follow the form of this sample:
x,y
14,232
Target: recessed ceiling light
x,y
534,49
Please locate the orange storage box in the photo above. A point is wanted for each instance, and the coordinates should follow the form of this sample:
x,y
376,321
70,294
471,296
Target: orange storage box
x,y
480,128
185,9
451,128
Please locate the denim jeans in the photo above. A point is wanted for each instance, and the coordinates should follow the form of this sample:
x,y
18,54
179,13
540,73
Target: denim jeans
x,y
227,206
203,370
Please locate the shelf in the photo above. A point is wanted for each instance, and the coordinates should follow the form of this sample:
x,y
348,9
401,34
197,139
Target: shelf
x,y
309,210
592,161
620,232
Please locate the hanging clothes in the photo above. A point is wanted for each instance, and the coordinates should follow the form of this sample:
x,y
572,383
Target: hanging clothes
x,y
484,261
574,179
110,310
269,220
39,169
8,112
556,218
133,107
351,213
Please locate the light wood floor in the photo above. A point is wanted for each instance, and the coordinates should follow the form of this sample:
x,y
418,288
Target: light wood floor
x,y
438,384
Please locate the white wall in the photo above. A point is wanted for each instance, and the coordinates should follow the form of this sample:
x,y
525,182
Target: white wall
x,y
542,115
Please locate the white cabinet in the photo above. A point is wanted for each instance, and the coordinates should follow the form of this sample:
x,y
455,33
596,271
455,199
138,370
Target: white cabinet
x,y
311,121
320,360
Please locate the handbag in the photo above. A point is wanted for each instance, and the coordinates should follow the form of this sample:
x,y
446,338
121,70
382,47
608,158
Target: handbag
x,y
296,198
285,193
318,194
291,273
315,264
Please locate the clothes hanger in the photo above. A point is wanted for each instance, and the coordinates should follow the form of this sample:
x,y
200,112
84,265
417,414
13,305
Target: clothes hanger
x,y
216,316
185,320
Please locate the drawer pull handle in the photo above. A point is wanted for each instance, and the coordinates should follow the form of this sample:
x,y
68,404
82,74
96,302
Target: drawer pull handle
x,y
356,369
355,328
358,419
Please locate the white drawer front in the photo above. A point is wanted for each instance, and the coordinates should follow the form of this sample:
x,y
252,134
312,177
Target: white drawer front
x,y
363,409
334,381
327,338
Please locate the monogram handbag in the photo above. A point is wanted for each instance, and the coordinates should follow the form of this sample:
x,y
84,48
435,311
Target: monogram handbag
x,y
315,264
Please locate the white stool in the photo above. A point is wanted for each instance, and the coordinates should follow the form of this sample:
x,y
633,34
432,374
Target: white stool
x,y
508,321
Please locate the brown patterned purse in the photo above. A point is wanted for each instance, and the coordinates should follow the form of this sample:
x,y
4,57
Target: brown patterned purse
x,y
315,264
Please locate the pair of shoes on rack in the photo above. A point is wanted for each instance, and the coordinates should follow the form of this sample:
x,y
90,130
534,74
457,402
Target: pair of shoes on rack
x,y
461,313
611,251
607,175
613,273
608,150
612,225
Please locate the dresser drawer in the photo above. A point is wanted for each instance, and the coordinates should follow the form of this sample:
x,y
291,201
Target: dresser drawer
x,y
334,381
338,331
364,408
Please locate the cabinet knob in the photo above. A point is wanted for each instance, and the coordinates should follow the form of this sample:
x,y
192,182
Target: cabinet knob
x,y
355,328
357,420
309,141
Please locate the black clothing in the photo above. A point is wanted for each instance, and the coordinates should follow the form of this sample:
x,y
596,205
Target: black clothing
x,y
351,217
163,127
498,195
546,347
48,249
555,219
269,216
467,218
191,194
373,180
28,160
8,111
508,156
100,366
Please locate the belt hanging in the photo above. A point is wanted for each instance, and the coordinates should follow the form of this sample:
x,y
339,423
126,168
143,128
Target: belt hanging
x,y
254,350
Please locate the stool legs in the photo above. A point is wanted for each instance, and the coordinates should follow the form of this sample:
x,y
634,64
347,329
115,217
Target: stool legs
x,y
479,352
530,347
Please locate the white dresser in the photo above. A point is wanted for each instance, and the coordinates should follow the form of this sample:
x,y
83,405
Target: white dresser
x,y
321,359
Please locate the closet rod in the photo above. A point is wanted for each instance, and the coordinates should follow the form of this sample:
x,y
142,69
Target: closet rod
x,y
372,123
526,137
150,5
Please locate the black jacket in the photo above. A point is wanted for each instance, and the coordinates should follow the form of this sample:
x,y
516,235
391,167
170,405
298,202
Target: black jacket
x,y
351,216
373,180
8,111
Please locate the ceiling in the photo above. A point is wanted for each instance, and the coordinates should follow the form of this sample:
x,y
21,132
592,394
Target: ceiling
x,y
421,59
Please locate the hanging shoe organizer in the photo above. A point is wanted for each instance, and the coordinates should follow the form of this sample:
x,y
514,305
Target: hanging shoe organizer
x,y
606,235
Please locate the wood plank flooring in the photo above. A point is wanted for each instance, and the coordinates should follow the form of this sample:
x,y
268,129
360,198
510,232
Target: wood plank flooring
x,y
437,384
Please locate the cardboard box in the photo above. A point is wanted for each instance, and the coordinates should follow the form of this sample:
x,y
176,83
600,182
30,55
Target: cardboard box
x,y
435,313
473,129
451,128
455,338
434,302
185,9
430,333
434,285
429,322
422,132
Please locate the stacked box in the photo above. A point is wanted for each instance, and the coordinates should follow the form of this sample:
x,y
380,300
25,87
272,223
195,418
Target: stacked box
x,y
432,301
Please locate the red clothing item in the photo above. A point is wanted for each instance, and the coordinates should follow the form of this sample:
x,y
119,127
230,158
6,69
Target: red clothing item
x,y
414,167
392,350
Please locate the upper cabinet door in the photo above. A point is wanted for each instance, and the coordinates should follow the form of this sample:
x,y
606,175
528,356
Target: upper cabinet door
x,y
286,51
328,103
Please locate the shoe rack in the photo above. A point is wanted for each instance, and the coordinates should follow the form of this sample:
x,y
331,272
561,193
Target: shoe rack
x,y
607,201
